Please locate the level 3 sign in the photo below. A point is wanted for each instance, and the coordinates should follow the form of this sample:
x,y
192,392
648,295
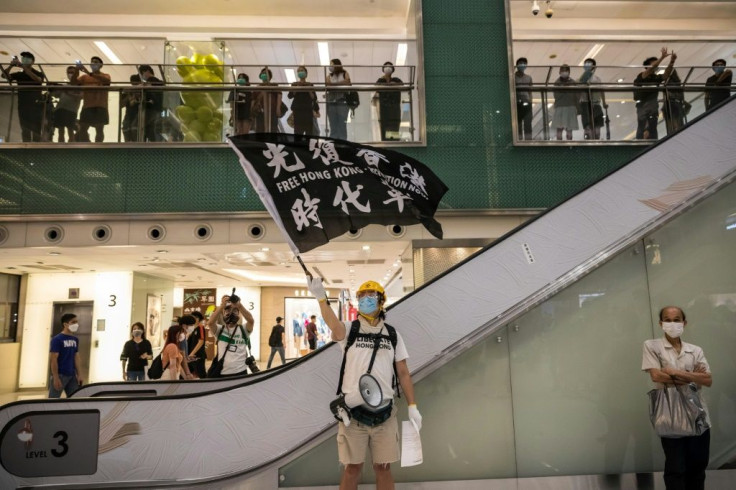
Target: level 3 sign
x,y
54,443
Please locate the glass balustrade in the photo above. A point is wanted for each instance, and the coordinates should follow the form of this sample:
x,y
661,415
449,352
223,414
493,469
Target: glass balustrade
x,y
189,103
608,107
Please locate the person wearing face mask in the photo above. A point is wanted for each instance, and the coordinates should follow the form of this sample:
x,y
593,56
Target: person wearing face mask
x,y
153,103
591,110
337,106
565,115
389,104
67,108
30,102
647,105
94,107
267,106
523,84
305,106
721,83
196,343
369,341
232,338
136,353
172,357
240,104
669,360
64,359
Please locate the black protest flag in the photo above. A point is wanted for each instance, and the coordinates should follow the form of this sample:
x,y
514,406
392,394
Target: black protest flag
x,y
317,188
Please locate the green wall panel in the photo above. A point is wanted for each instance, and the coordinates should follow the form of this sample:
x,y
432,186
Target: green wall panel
x,y
469,144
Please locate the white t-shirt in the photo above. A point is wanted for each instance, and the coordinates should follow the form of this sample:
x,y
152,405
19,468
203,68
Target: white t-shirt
x,y
336,95
237,351
359,357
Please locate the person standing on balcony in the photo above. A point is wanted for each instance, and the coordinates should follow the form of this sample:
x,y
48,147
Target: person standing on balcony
x,y
523,84
267,105
240,103
65,113
305,106
565,116
389,104
647,105
153,103
337,106
722,79
591,110
94,109
130,100
30,101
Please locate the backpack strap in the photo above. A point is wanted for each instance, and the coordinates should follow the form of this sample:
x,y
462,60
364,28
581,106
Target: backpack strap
x,y
394,340
352,335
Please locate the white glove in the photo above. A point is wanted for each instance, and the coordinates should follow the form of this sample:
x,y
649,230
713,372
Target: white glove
x,y
415,417
316,288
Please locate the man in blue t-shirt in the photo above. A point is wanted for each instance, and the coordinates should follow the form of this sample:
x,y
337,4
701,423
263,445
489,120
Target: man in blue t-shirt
x,y
64,359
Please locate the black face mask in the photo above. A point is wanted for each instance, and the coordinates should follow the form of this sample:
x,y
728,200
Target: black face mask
x,y
231,318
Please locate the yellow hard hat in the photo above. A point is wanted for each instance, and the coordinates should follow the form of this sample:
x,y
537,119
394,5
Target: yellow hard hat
x,y
371,286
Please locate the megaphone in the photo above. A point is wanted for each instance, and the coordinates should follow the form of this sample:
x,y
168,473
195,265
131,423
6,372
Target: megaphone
x,y
369,394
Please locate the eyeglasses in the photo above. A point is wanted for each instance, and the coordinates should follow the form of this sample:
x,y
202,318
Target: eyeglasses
x,y
372,294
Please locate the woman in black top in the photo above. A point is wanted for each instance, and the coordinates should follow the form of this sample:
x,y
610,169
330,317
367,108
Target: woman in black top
x,y
240,104
389,105
136,353
305,106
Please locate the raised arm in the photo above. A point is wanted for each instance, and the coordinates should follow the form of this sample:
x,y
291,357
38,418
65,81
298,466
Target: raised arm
x,y
651,68
333,323
249,321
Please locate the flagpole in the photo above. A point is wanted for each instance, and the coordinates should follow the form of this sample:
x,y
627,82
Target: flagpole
x,y
309,274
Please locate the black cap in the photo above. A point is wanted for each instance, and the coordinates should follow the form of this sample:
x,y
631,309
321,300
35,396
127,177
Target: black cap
x,y
278,319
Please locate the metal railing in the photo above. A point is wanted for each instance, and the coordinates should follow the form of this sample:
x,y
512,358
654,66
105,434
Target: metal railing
x,y
185,105
612,111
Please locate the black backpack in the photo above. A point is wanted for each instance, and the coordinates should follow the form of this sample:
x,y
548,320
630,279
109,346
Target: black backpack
x,y
275,337
353,335
156,370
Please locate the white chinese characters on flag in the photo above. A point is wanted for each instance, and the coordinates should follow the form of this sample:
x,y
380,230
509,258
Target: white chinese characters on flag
x,y
317,188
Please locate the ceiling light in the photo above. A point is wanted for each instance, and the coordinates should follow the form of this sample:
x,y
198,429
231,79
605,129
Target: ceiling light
x,y
265,249
290,76
54,253
366,247
268,278
324,53
108,52
620,80
401,54
592,53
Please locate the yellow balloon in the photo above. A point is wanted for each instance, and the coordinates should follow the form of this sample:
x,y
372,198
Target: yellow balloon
x,y
210,136
204,114
192,136
183,66
197,59
185,113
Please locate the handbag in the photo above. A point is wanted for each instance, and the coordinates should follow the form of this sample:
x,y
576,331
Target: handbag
x,y
676,411
215,370
156,370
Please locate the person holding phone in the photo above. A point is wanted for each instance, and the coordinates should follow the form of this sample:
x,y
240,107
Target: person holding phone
x,y
30,101
94,108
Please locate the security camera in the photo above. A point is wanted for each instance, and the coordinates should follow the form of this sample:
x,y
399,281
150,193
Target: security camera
x,y
549,13
535,7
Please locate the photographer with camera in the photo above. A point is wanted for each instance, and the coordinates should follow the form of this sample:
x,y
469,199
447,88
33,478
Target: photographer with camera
x,y
30,101
374,348
233,356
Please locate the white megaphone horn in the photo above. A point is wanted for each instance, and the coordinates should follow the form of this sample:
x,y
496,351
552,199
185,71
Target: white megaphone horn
x,y
369,394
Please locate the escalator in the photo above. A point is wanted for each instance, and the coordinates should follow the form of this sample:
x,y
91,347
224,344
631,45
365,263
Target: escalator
x,y
238,428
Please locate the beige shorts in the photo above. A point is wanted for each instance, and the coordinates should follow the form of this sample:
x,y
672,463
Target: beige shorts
x,y
383,440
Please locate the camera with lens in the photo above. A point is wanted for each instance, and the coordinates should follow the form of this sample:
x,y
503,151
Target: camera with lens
x,y
234,298
250,361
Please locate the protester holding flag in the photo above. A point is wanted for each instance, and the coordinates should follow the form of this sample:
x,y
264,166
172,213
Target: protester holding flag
x,y
379,351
